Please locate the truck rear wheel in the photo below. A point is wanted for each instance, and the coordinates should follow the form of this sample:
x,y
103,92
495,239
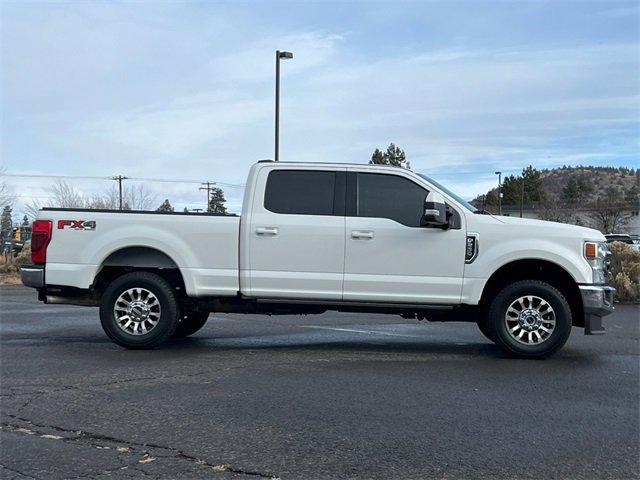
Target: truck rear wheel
x,y
190,323
530,319
139,310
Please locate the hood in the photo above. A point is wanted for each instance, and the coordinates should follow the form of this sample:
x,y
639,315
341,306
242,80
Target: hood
x,y
563,228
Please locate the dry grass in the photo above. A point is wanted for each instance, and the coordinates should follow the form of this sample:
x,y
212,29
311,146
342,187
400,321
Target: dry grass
x,y
625,272
10,279
10,267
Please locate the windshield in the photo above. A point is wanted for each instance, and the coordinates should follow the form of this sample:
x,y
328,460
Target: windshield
x,y
457,198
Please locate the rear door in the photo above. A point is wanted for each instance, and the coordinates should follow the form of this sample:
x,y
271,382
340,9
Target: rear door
x,y
389,256
297,231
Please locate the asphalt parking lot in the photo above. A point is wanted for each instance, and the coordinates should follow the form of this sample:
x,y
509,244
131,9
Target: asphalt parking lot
x,y
315,397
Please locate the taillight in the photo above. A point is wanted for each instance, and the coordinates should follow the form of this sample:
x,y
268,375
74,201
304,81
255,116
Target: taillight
x,y
40,238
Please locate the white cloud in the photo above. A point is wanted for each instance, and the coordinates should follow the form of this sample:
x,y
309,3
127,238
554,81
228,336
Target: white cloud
x,y
168,91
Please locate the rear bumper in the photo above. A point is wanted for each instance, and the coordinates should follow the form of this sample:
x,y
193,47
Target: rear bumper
x,y
32,276
597,302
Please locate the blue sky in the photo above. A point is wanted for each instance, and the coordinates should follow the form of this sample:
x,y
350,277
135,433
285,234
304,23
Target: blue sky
x,y
184,90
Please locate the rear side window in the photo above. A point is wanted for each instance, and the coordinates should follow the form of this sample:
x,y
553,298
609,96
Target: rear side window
x,y
390,196
301,192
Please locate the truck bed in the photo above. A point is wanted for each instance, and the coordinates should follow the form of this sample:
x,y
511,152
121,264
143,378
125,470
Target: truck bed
x,y
204,246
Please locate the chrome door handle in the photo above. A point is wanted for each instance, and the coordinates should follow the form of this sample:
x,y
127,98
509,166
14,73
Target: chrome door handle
x,y
360,234
267,231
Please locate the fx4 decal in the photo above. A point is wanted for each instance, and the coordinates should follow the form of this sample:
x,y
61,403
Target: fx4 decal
x,y
77,224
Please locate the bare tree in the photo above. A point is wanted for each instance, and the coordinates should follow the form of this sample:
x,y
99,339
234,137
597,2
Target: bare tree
x,y
554,211
31,209
139,197
108,200
6,198
611,213
64,195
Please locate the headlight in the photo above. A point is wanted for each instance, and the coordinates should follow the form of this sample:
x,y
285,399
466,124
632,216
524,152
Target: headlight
x,y
598,255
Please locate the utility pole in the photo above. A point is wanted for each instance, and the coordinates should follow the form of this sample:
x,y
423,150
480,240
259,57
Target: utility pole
x,y
499,192
521,195
208,186
279,55
119,179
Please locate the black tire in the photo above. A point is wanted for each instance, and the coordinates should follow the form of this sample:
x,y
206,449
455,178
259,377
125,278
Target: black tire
x,y
484,328
504,299
190,323
168,310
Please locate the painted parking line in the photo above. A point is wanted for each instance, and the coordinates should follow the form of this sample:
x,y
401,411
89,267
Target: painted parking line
x,y
354,330
54,310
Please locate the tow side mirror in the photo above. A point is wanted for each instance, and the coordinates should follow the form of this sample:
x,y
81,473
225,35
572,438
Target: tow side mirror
x,y
435,212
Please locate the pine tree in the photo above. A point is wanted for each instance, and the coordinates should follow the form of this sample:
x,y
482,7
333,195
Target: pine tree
x,y
571,191
491,199
6,223
533,188
165,207
585,186
511,190
394,156
377,158
217,201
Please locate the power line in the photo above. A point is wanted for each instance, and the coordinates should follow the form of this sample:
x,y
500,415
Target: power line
x,y
231,185
138,179
35,175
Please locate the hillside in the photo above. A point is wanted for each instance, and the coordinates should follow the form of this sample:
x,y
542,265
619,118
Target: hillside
x,y
601,178
583,184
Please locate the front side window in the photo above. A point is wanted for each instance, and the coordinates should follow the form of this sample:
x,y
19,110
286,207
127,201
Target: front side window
x,y
390,196
300,192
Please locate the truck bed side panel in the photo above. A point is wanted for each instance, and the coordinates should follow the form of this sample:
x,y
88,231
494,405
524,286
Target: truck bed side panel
x,y
205,248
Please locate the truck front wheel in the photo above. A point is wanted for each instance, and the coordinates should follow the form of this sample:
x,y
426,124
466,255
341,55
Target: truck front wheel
x,y
530,318
139,310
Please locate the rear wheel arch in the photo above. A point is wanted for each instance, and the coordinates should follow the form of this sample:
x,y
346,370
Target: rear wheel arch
x,y
138,258
536,269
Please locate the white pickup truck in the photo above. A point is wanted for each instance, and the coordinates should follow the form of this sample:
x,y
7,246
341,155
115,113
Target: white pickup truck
x,y
314,237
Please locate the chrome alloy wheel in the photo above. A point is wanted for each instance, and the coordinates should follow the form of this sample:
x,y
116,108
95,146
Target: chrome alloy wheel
x,y
137,311
530,320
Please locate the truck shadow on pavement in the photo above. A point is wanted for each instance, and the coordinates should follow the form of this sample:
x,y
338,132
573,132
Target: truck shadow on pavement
x,y
443,350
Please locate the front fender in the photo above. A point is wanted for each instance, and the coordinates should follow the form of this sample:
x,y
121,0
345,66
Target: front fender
x,y
494,255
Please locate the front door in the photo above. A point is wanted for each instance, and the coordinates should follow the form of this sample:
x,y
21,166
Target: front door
x,y
389,257
296,238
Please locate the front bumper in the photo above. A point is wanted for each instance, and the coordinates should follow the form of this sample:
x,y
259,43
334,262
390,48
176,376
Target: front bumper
x,y
32,276
597,302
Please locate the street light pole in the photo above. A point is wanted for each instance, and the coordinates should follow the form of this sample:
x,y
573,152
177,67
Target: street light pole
x,y
499,192
279,55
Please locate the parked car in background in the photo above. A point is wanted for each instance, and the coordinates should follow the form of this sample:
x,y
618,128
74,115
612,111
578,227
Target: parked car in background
x,y
624,238
314,237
